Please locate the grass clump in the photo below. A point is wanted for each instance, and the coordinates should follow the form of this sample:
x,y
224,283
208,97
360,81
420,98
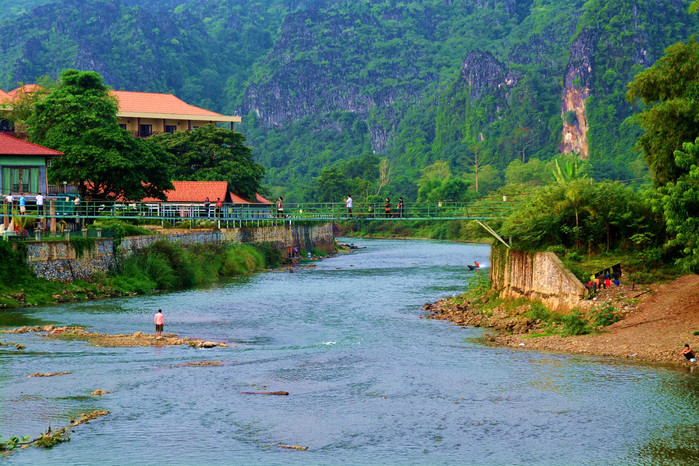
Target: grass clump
x,y
574,323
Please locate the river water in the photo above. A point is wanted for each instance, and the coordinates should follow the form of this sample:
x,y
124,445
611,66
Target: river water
x,y
369,380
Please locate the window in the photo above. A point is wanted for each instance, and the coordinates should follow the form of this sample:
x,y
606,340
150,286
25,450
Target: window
x,y
20,179
145,131
170,128
122,126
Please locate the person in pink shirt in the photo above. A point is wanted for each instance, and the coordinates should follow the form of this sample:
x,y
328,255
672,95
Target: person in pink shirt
x,y
159,322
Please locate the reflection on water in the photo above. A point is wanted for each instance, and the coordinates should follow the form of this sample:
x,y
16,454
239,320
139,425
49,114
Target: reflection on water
x,y
369,381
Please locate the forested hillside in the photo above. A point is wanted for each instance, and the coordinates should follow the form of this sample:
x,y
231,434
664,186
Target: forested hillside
x,y
363,95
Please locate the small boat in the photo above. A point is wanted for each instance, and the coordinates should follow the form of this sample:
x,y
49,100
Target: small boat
x,y
474,266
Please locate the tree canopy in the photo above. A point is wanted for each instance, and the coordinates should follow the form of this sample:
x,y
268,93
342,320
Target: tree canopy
x,y
213,154
670,91
79,118
680,203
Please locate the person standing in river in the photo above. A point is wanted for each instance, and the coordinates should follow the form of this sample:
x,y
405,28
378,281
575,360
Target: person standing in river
x,y
159,322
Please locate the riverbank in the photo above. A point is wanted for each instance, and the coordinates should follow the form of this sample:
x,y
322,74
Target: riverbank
x,y
163,266
655,322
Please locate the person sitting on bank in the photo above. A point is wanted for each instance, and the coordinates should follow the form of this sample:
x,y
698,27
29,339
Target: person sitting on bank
x,y
688,353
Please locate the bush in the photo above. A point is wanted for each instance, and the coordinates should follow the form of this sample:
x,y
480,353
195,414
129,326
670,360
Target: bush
x,y
13,264
242,260
606,316
118,228
537,311
272,254
575,324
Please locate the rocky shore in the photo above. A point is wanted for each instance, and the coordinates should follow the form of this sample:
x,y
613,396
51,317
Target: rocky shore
x,y
119,340
654,324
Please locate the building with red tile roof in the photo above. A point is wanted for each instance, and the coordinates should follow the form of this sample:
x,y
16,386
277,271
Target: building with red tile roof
x,y
23,166
146,113
199,191
24,89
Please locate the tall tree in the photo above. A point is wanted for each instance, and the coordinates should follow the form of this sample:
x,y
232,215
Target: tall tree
x,y
214,154
670,90
680,201
79,118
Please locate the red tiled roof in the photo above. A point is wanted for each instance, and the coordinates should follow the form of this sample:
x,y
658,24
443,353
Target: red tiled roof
x,y
195,191
25,89
151,102
262,200
4,96
235,199
12,146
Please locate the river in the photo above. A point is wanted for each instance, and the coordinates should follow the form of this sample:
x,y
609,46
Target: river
x,y
369,381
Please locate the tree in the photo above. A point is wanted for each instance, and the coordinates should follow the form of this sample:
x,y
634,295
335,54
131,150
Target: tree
x,y
332,186
680,203
670,89
213,154
79,119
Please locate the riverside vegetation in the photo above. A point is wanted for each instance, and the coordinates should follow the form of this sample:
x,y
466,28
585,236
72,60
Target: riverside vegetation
x,y
163,266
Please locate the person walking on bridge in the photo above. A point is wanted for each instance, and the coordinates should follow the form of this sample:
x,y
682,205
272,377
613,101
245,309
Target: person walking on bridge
x,y
387,207
280,207
348,202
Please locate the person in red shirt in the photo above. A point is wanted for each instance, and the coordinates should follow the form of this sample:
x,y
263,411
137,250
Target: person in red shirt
x,y
159,322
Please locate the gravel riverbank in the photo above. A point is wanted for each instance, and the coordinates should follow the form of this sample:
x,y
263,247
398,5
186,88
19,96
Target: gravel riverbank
x,y
656,323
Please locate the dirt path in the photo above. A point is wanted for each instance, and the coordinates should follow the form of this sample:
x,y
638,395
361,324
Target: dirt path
x,y
655,331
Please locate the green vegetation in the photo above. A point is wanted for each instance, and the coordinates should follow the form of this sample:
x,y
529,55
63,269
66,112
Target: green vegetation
x,y
455,230
213,154
78,118
83,245
362,96
168,266
11,444
163,266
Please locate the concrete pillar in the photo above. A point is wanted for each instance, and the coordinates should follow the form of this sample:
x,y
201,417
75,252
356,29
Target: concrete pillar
x,y
52,213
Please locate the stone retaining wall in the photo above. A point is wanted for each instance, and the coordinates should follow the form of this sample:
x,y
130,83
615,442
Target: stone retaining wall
x,y
57,260
535,276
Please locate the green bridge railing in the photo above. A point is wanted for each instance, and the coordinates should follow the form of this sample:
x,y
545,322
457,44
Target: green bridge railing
x,y
65,210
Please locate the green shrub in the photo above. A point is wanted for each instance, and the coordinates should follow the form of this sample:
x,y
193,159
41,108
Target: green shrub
x,y
574,257
606,316
241,260
575,324
13,264
272,254
537,311
118,228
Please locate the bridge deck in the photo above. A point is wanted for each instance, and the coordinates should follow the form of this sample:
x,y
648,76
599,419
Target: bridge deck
x,y
66,210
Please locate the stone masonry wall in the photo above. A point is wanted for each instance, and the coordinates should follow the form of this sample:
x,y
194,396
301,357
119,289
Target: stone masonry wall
x,y
535,276
56,260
